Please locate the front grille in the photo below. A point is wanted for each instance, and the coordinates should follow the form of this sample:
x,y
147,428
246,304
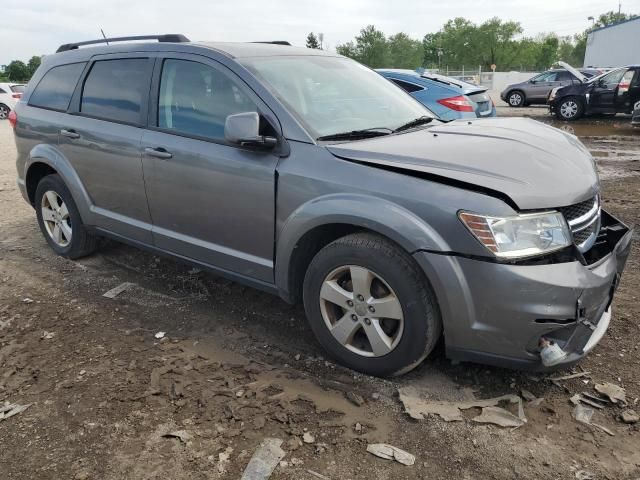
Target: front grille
x,y
575,211
584,221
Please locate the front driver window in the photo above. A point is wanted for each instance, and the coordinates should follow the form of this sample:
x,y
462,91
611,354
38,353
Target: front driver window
x,y
195,99
611,80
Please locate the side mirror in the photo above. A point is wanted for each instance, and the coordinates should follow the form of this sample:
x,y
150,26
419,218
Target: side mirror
x,y
244,129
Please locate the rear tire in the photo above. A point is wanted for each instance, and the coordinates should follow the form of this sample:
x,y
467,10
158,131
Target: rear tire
x,y
569,109
358,336
516,99
60,221
4,111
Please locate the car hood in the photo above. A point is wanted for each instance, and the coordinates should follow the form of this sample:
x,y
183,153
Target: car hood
x,y
535,165
573,71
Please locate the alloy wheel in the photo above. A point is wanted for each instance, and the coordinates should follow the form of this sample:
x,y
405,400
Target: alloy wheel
x,y
361,311
515,99
56,219
4,112
569,109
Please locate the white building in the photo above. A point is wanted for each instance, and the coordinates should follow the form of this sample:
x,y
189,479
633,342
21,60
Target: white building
x,y
615,45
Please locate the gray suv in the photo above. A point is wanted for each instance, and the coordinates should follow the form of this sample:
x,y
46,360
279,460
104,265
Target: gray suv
x,y
308,175
536,90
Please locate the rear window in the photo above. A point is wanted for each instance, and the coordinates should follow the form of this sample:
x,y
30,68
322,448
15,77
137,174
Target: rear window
x,y
17,88
114,89
56,87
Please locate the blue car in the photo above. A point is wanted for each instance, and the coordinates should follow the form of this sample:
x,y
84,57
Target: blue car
x,y
448,98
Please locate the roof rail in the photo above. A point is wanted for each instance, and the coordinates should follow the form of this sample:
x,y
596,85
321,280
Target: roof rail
x,y
276,42
169,37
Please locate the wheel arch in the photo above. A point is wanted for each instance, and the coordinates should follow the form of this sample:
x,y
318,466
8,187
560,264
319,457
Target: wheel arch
x,y
46,160
319,222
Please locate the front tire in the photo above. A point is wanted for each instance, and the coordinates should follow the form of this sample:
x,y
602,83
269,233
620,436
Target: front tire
x,y
370,306
60,221
569,109
516,99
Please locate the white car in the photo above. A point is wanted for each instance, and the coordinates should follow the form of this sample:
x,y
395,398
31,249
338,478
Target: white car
x,y
10,93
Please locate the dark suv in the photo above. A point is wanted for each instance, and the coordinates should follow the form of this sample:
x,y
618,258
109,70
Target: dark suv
x,y
308,175
614,92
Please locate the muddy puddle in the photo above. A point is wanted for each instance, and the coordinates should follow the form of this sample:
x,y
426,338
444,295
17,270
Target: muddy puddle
x,y
614,144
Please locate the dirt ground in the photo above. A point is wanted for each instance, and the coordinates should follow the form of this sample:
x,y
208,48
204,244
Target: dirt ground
x,y
237,366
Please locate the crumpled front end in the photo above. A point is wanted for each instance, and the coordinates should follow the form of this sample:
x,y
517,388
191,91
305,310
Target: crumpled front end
x,y
537,315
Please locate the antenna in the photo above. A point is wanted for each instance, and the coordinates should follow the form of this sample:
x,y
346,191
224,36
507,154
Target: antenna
x,y
104,36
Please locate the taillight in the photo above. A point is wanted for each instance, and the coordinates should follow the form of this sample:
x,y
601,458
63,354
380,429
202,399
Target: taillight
x,y
459,104
623,87
17,95
13,118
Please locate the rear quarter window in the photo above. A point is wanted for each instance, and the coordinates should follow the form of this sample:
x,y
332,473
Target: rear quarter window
x,y
406,86
114,89
55,89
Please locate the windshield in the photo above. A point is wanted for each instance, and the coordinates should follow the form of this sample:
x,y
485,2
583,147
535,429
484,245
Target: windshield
x,y
331,95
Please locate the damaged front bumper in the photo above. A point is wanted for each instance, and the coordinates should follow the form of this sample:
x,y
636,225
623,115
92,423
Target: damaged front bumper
x,y
504,314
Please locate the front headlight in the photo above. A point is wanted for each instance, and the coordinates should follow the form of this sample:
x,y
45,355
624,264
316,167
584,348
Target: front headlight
x,y
519,236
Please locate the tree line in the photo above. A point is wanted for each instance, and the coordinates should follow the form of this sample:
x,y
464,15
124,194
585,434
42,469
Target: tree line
x,y
18,71
461,43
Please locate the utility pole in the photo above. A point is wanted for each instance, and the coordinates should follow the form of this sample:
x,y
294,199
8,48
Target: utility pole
x,y
619,7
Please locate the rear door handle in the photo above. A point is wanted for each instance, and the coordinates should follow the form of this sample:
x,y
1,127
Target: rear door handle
x,y
69,133
158,153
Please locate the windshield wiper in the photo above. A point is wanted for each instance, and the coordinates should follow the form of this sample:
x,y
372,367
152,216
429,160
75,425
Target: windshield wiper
x,y
356,134
414,123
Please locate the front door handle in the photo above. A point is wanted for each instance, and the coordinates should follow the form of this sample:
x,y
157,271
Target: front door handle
x,y
69,133
158,153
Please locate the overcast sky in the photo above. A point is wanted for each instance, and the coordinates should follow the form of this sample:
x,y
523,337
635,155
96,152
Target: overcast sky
x,y
36,27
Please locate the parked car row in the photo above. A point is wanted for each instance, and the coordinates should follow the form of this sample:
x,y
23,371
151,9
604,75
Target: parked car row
x,y
614,92
536,90
10,93
572,93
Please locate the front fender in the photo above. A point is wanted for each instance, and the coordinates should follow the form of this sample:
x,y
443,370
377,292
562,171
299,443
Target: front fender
x,y
372,213
51,156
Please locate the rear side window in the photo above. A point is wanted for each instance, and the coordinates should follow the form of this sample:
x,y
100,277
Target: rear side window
x,y
56,87
2,91
406,86
115,89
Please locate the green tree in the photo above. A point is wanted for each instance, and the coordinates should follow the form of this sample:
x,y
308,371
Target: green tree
x,y
370,47
404,51
17,71
612,17
34,63
312,41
